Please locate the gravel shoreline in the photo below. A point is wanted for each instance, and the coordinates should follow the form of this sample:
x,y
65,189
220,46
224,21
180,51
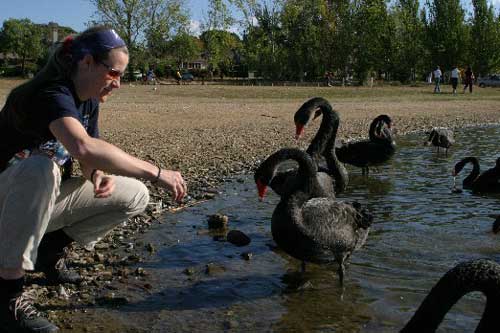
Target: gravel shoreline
x,y
210,134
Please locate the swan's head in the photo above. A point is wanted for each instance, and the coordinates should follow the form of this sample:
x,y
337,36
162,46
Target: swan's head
x,y
382,127
261,189
299,131
383,118
263,176
310,110
457,168
365,218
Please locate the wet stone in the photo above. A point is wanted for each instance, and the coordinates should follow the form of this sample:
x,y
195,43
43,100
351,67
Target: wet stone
x,y
101,246
98,257
230,324
212,269
247,255
140,271
150,248
217,221
238,238
112,300
105,275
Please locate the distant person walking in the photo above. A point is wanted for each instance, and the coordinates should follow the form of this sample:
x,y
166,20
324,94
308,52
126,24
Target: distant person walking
x,y
429,78
151,77
469,79
437,79
178,77
455,74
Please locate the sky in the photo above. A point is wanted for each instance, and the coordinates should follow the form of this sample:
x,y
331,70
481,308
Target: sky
x,y
76,13
71,13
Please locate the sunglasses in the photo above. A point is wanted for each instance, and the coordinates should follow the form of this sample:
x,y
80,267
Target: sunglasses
x,y
113,73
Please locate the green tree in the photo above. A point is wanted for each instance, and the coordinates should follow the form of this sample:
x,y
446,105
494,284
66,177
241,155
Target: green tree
x,y
262,43
220,49
23,38
217,40
184,47
128,17
342,37
446,33
408,43
484,39
307,30
140,22
166,19
372,38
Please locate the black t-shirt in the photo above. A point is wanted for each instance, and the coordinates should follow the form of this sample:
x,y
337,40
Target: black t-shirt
x,y
53,102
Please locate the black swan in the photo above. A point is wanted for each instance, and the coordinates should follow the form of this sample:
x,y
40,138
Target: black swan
x,y
323,144
378,149
328,129
486,182
311,227
475,275
441,137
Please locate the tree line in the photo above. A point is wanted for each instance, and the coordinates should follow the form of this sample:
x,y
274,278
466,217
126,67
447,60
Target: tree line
x,y
400,40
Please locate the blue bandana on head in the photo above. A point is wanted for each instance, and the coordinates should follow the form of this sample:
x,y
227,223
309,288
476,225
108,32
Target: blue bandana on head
x,y
99,42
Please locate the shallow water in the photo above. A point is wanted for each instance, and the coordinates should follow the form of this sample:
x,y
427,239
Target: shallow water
x,y
421,230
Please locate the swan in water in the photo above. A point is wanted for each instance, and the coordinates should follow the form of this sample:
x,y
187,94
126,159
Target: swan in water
x,y
440,137
377,150
486,182
307,223
321,145
475,275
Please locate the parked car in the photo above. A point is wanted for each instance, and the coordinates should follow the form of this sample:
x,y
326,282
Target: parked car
x,y
134,76
489,81
188,77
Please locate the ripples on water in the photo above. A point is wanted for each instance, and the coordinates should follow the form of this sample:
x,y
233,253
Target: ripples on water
x,y
421,230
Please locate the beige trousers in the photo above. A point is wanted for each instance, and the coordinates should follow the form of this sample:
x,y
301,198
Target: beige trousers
x,y
33,201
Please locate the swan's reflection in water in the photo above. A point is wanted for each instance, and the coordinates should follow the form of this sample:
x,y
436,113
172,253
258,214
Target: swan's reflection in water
x,y
322,305
375,184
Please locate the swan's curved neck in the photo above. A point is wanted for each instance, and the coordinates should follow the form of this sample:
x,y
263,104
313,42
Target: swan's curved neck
x,y
372,132
477,275
329,122
306,172
471,178
376,129
336,168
